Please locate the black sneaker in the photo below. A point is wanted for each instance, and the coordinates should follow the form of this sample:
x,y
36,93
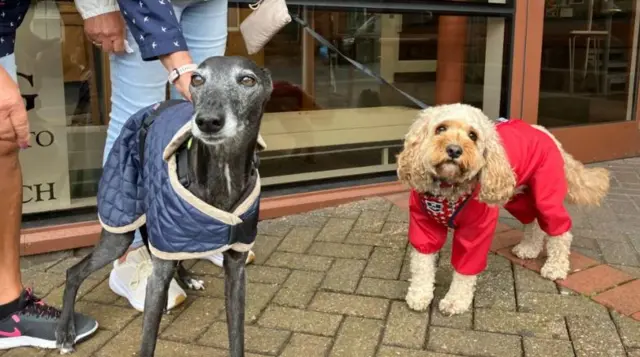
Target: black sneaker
x,y
35,325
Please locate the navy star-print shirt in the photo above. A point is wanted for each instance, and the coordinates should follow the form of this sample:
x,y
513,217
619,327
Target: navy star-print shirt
x,y
11,16
154,26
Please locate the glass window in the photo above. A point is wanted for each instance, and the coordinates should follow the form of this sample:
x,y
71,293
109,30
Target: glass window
x,y
589,55
326,119
60,77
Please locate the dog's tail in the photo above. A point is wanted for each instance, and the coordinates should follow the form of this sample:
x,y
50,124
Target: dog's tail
x,y
587,186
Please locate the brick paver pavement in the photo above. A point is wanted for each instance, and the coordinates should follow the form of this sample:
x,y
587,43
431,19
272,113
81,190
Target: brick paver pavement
x,y
331,283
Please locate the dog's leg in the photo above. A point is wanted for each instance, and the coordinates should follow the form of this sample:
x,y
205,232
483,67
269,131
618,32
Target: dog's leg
x,y
460,295
110,247
558,249
532,243
189,280
155,303
234,294
423,278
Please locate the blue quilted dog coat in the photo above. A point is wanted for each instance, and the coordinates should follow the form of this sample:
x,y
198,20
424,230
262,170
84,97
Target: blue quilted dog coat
x,y
179,225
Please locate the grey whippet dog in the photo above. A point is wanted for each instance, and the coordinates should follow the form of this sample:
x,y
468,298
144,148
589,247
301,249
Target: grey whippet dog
x,y
229,95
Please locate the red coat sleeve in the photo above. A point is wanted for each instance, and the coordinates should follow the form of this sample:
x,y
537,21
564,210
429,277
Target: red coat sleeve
x,y
472,238
425,234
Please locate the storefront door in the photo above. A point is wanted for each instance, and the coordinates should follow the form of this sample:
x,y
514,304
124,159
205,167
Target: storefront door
x,y
585,90
328,121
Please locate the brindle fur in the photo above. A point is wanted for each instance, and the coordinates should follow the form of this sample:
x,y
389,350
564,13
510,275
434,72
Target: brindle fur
x,y
220,164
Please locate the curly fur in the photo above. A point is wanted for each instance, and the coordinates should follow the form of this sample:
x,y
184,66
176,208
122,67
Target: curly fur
x,y
423,275
460,295
424,165
557,264
484,160
587,186
423,278
532,243
497,179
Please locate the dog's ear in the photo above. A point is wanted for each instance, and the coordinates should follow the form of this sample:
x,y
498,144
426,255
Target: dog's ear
x,y
411,166
497,179
267,75
266,72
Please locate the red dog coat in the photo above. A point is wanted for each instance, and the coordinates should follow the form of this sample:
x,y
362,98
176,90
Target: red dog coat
x,y
538,165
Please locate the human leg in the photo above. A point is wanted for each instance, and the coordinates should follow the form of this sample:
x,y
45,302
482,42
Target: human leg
x,y
25,320
135,84
11,191
8,62
11,208
204,26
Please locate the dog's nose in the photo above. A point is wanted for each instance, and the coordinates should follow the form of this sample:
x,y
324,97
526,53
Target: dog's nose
x,y
210,125
454,151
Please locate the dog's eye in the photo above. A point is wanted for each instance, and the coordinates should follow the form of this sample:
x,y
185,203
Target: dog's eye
x,y
473,136
441,129
197,80
248,81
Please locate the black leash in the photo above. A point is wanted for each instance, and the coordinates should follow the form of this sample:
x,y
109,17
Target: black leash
x,y
355,63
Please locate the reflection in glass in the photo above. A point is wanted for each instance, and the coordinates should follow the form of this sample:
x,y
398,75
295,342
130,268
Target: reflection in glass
x,y
588,62
58,76
327,119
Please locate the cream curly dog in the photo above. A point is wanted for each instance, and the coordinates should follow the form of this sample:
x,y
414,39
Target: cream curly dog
x,y
461,166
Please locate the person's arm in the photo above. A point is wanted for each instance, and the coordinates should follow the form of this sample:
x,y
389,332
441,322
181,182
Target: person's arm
x,y
155,28
14,125
9,24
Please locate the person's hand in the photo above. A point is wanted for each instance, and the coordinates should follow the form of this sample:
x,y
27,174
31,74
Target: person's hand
x,y
176,60
106,31
14,124
182,85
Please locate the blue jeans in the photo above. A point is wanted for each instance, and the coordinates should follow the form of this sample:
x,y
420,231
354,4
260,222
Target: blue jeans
x,y
9,65
136,84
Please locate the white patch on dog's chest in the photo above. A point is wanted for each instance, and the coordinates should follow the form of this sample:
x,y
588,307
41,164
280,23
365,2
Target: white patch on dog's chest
x,y
227,175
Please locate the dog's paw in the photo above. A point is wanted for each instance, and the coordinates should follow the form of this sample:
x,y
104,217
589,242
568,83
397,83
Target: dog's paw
x,y
194,284
454,306
65,340
418,301
555,270
65,350
526,251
